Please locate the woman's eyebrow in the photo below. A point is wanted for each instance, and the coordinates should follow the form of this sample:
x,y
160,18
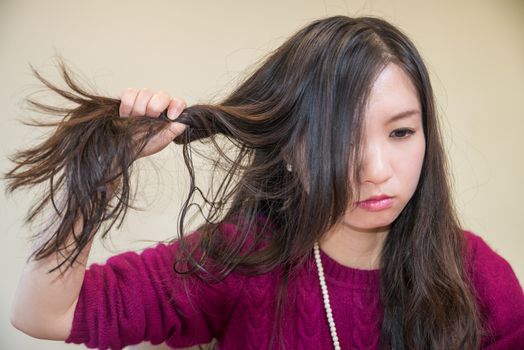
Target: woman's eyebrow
x,y
405,114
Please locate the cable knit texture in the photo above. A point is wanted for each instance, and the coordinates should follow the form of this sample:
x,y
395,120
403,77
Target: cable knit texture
x,y
135,297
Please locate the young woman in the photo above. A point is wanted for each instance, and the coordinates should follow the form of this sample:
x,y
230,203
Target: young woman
x,y
334,227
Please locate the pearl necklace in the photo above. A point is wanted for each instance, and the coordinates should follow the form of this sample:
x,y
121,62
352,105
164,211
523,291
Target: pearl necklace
x,y
325,296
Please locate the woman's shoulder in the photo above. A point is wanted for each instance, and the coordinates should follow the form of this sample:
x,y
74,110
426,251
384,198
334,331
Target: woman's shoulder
x,y
485,258
489,267
498,292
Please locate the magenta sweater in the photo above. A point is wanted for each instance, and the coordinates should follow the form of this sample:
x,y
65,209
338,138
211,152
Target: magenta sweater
x,y
127,301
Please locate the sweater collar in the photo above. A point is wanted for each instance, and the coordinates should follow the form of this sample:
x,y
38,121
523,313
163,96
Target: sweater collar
x,y
349,276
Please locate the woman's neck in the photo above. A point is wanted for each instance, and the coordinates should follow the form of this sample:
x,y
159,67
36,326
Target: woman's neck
x,y
354,248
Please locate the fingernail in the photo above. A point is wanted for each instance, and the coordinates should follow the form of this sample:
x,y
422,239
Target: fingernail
x,y
171,114
175,112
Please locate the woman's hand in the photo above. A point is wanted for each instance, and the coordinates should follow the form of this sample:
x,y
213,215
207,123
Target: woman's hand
x,y
145,102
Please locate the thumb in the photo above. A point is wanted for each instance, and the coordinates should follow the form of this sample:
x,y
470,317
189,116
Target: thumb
x,y
162,139
174,130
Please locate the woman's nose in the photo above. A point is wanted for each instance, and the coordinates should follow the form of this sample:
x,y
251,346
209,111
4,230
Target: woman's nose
x,y
376,167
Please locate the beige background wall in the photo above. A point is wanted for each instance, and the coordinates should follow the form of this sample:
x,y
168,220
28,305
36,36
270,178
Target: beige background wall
x,y
197,49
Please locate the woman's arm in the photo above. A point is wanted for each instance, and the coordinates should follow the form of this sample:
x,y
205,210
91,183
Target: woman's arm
x,y
44,302
136,297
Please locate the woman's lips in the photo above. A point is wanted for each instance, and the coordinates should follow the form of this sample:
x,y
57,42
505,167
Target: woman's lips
x,y
376,205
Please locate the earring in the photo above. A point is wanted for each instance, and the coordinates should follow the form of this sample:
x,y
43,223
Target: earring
x,y
289,167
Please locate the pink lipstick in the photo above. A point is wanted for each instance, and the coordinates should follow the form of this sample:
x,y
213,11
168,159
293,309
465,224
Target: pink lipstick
x,y
376,203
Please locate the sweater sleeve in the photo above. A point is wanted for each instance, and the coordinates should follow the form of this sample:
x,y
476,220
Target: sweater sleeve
x,y
136,297
500,297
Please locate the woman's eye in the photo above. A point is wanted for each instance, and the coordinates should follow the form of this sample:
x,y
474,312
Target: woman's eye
x,y
401,133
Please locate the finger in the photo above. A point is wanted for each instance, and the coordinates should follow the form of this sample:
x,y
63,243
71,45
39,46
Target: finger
x,y
141,101
168,134
175,129
176,106
163,139
127,100
157,104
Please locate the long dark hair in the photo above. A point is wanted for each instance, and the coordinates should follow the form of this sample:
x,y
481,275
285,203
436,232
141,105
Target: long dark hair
x,y
302,105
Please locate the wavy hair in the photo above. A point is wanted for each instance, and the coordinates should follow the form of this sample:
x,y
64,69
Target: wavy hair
x,y
303,105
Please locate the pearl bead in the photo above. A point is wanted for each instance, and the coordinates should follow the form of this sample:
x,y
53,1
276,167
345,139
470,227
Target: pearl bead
x,y
325,297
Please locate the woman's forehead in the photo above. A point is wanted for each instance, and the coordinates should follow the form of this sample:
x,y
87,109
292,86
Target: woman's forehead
x,y
393,95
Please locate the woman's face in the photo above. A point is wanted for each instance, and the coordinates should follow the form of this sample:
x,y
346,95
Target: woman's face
x,y
393,150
